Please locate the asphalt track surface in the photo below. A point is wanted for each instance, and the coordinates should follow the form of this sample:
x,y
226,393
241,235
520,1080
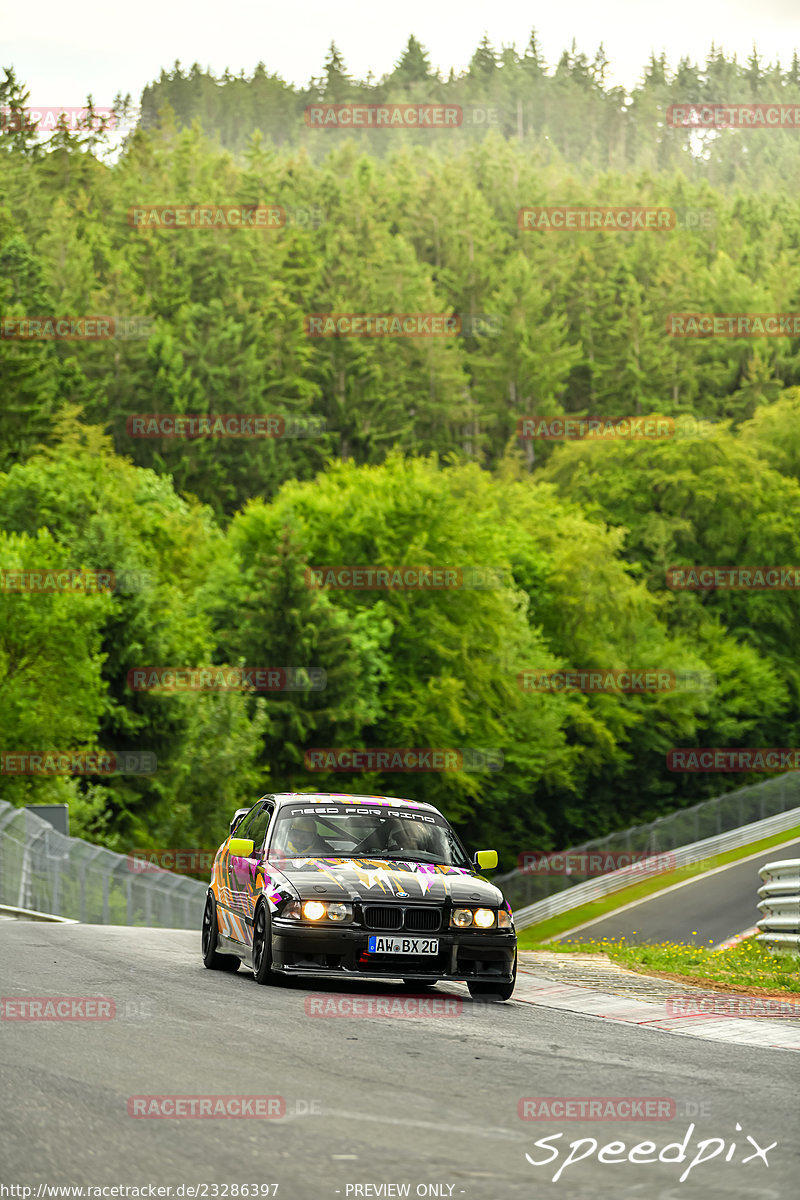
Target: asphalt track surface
x,y
370,1102
726,899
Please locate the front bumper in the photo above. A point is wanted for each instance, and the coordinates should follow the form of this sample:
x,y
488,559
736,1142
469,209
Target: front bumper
x,y
463,955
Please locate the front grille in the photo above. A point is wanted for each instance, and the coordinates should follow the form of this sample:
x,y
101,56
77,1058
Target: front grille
x,y
383,916
423,920
395,916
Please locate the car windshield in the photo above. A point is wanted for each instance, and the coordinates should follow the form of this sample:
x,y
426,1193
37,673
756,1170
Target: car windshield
x,y
339,831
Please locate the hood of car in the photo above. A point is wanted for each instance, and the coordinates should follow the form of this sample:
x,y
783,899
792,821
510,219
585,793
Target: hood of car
x,y
380,880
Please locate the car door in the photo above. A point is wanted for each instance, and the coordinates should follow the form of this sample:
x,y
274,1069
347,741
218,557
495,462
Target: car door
x,y
245,870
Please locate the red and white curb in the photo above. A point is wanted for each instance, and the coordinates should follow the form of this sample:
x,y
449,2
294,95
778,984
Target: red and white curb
x,y
737,937
648,1014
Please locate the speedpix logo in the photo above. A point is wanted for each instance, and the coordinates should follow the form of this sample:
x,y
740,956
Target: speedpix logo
x,y
616,1153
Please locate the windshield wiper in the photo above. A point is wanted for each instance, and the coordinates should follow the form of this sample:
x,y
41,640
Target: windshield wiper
x,y
415,856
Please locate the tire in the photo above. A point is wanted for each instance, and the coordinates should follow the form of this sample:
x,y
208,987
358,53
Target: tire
x,y
493,991
262,947
210,940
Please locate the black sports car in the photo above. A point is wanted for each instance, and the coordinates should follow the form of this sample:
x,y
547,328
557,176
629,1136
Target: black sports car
x,y
364,886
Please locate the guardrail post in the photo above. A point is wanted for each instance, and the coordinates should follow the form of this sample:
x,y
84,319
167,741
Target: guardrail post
x,y
4,820
780,905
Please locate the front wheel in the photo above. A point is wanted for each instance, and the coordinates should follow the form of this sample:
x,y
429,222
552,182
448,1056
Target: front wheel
x,y
262,947
211,956
487,990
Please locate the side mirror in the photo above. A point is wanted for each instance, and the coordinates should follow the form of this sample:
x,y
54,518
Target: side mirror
x,y
240,847
237,816
485,860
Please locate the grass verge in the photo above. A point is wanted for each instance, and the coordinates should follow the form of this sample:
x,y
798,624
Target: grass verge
x,y
747,967
530,938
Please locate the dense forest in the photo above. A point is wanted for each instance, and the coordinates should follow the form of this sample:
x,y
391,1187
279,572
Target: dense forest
x,y
398,450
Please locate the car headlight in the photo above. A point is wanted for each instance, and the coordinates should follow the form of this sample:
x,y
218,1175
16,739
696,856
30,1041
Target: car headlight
x,y
476,918
504,919
318,910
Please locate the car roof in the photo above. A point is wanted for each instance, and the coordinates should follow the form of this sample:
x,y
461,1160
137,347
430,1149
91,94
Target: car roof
x,y
282,798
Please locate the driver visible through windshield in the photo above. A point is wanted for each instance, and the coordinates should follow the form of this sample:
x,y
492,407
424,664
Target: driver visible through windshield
x,y
402,835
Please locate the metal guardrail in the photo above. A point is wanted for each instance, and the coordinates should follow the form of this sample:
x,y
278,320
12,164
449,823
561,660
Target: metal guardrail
x,y
43,871
682,828
682,856
780,905
30,914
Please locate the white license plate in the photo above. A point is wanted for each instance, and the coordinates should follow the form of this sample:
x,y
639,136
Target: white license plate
x,y
397,945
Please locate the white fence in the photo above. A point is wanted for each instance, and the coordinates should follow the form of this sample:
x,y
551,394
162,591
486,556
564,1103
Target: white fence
x,y
682,856
44,871
721,814
780,905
